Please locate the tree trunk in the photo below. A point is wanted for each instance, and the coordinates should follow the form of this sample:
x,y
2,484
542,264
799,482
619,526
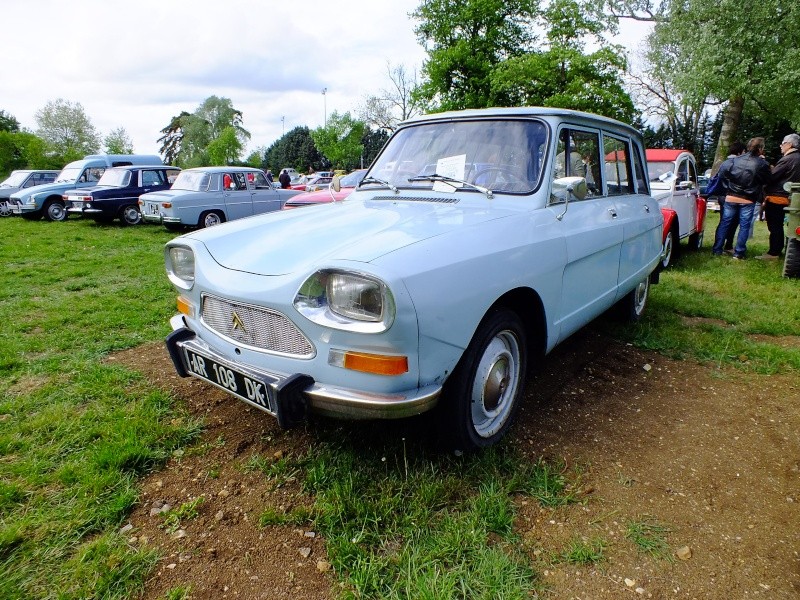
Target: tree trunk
x,y
730,125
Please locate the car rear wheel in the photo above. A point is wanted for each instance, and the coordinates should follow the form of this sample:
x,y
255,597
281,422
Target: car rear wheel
x,y
211,218
482,396
696,241
791,264
54,211
631,308
130,215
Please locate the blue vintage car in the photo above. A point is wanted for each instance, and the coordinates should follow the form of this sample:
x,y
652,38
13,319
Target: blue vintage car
x,y
48,200
19,180
208,196
116,195
471,248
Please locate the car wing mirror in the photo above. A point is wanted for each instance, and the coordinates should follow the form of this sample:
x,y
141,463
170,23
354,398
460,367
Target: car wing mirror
x,y
564,187
335,186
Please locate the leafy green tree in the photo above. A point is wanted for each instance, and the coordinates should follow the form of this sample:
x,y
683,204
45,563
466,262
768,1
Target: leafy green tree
x,y
296,149
394,104
186,140
465,40
257,158
340,140
225,148
373,142
67,130
118,142
8,122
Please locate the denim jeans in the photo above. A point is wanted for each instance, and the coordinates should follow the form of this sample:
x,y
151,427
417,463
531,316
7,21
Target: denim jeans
x,y
729,213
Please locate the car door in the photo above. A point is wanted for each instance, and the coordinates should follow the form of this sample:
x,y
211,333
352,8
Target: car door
x,y
684,195
265,197
591,228
238,197
637,212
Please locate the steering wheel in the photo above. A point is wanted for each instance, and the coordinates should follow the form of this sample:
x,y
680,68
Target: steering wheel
x,y
503,176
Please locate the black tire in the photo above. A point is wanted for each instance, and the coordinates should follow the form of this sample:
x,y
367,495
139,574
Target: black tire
x,y
631,308
670,250
482,396
210,218
54,210
130,215
696,240
791,264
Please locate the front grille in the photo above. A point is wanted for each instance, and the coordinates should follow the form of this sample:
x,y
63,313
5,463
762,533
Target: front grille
x,y
256,327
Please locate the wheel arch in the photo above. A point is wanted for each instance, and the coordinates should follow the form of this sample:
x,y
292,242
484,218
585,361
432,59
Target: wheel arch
x,y
527,303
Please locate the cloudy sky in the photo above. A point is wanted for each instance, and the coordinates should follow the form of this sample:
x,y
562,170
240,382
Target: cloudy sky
x,y
137,64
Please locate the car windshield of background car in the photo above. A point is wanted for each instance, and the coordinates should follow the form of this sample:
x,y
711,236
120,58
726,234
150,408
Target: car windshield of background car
x,y
69,175
352,179
656,171
196,181
503,155
15,179
115,178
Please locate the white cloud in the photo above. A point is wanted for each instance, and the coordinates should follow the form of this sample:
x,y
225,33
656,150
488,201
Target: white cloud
x,y
136,65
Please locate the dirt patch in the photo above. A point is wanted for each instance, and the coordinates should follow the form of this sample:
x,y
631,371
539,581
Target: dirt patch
x,y
711,456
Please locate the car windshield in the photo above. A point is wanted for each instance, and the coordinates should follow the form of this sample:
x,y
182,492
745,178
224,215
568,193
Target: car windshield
x,y
501,155
352,179
192,181
659,171
115,178
69,175
15,179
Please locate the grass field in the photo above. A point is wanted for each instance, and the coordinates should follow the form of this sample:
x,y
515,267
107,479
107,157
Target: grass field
x,y
76,433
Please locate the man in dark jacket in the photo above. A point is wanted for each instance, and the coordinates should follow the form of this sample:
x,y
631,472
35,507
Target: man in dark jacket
x,y
744,178
285,179
776,198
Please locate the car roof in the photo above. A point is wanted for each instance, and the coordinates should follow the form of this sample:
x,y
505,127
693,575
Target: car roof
x,y
663,154
226,169
135,167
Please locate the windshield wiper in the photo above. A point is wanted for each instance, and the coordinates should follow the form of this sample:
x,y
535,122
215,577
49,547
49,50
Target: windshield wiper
x,y
371,179
445,179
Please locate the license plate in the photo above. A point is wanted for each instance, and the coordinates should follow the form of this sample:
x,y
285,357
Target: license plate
x,y
151,209
243,386
75,204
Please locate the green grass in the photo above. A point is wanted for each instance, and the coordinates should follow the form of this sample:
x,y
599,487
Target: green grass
x,y
78,433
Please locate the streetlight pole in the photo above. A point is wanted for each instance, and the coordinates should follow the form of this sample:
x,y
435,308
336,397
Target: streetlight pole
x,y
283,125
325,107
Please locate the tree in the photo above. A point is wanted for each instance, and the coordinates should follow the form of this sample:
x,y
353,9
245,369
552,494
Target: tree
x,y
186,140
373,141
739,53
225,149
118,142
8,122
257,158
561,74
67,130
398,103
465,40
296,149
340,140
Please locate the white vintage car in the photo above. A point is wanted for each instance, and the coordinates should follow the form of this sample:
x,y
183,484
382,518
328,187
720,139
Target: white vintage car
x,y
469,250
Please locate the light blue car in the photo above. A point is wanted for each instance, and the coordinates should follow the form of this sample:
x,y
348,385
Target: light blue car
x,y
470,249
47,200
208,196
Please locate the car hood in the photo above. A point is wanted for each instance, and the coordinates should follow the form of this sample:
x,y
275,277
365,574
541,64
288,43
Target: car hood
x,y
300,241
5,192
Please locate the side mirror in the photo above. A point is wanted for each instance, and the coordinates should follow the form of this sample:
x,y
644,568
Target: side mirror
x,y
564,187
336,184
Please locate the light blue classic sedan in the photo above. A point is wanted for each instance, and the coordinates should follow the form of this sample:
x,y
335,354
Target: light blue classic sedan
x,y
208,196
470,249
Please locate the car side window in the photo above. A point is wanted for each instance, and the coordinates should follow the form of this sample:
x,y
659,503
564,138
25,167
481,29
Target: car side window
x,y
152,178
617,166
638,168
260,182
240,180
578,155
692,174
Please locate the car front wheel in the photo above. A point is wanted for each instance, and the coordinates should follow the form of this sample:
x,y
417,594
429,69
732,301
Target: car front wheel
x,y
482,396
54,211
5,209
669,249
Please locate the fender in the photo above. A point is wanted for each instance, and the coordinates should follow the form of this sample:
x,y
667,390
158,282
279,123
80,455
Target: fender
x,y
669,218
701,213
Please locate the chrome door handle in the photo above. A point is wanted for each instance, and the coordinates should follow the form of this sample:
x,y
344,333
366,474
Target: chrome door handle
x,y
612,212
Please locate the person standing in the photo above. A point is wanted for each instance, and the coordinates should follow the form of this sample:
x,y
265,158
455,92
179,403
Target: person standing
x,y
744,178
787,169
285,179
737,149
269,176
